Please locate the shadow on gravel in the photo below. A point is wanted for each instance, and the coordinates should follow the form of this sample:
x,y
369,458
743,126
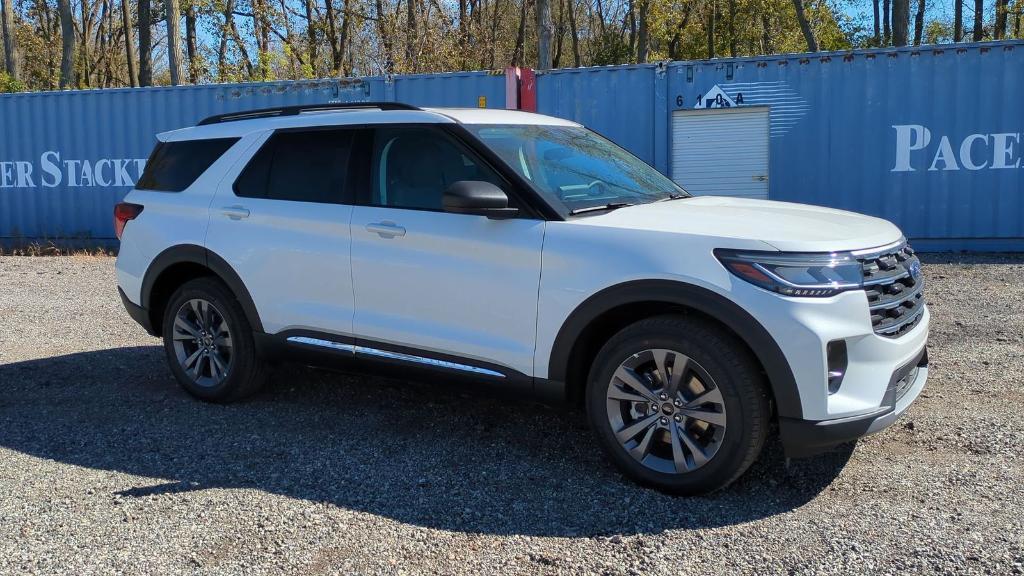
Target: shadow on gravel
x,y
415,453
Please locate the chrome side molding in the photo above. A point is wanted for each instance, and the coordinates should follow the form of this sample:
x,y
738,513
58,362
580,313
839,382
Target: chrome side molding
x,y
353,349
350,348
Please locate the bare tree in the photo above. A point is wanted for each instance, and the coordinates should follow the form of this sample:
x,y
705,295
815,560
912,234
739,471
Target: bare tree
x,y
1017,19
1002,6
878,22
145,44
10,43
886,22
712,16
174,40
191,44
545,31
67,33
576,60
805,26
732,28
958,20
900,22
766,33
919,22
643,34
410,34
518,53
979,20
129,43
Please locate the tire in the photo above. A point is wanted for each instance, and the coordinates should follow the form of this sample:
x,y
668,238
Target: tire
x,y
683,454
230,369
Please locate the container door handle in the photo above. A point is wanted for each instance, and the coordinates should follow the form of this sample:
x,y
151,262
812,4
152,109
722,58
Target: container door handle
x,y
760,177
386,229
235,212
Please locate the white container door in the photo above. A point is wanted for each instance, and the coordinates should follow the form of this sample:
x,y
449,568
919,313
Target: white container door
x,y
721,152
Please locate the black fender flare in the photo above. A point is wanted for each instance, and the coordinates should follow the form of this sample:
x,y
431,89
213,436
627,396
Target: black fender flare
x,y
199,255
712,304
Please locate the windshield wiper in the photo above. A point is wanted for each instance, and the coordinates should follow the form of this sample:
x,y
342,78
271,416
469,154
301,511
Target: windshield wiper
x,y
609,206
674,197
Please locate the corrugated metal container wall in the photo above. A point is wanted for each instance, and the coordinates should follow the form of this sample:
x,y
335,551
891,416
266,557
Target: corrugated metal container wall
x,y
67,157
616,101
458,89
931,138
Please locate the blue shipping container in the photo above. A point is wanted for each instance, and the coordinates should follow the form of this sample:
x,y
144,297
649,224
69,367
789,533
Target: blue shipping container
x,y
67,157
931,138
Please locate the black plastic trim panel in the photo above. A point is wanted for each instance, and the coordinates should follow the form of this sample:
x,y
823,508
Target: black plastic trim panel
x,y
137,313
767,350
802,438
191,253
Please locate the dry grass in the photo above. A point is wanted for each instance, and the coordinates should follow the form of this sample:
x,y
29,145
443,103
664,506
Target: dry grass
x,y
51,248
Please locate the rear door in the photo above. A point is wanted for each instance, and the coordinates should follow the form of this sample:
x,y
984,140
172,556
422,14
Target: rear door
x,y
282,221
431,285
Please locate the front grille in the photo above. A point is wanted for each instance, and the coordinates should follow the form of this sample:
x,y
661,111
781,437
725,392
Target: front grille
x,y
895,290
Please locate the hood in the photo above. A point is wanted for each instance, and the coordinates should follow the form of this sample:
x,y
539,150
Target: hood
x,y
785,226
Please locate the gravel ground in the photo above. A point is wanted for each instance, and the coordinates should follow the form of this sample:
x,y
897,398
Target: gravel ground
x,y
106,466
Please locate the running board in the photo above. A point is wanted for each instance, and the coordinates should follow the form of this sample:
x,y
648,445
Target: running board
x,y
402,357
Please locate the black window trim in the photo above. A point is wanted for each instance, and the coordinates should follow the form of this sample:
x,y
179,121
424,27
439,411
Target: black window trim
x,y
353,178
534,205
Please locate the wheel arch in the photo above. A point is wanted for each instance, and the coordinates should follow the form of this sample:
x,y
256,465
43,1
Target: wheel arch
x,y
604,313
179,264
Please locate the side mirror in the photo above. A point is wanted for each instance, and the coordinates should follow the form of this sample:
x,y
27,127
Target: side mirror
x,y
479,198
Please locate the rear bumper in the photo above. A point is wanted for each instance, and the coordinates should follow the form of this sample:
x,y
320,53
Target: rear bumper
x,y
809,437
138,313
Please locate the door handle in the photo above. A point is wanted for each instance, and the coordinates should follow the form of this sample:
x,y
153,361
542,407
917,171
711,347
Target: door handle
x,y
760,178
235,212
386,229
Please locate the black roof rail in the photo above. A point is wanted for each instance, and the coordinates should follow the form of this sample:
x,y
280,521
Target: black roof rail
x,y
296,110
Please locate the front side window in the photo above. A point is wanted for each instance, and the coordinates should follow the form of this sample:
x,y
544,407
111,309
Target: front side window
x,y
299,166
414,165
574,167
174,166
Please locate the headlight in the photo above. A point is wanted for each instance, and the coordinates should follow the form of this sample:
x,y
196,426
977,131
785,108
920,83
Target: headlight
x,y
795,274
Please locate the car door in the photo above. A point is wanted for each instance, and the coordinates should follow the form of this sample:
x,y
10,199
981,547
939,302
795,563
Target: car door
x,y
281,220
433,285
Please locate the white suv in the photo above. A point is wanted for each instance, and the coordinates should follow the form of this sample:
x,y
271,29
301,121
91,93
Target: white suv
x,y
529,253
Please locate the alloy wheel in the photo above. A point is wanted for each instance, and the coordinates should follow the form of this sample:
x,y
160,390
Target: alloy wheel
x,y
666,411
202,342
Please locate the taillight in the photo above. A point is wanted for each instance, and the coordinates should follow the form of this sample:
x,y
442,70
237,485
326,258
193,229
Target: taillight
x,y
123,212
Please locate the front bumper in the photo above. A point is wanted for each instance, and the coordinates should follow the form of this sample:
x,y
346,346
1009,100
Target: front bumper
x,y
808,437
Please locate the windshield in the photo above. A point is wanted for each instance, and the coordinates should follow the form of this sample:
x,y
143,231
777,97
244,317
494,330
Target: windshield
x,y
575,167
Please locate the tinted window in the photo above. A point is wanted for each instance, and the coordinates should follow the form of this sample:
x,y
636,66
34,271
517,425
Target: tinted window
x,y
174,166
299,166
414,165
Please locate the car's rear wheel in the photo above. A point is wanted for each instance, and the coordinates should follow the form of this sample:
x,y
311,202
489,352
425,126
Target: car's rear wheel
x,y
679,404
209,343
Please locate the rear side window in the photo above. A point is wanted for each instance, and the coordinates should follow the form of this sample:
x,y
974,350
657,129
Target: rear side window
x,y
303,166
174,166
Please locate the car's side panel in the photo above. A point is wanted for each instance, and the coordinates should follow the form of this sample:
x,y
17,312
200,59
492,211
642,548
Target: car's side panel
x,y
168,219
293,256
191,253
452,283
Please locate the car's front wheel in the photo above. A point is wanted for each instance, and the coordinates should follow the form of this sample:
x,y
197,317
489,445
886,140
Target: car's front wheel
x,y
679,404
209,343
